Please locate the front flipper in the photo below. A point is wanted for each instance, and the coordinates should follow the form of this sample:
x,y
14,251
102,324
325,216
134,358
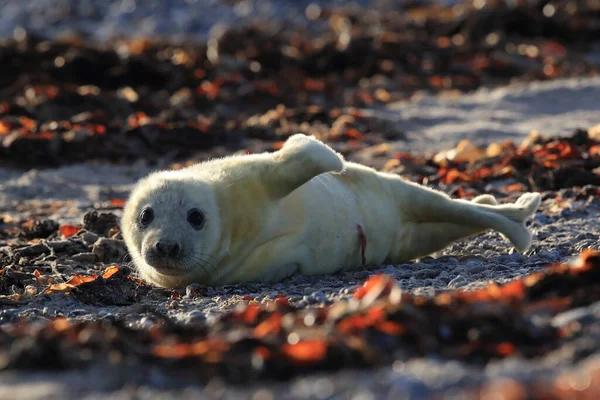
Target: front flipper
x,y
299,160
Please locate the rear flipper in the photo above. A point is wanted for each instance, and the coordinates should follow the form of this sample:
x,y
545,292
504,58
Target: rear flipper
x,y
485,199
433,220
514,229
512,226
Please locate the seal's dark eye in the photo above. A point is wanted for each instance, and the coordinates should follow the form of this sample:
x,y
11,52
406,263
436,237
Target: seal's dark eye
x,y
195,218
146,216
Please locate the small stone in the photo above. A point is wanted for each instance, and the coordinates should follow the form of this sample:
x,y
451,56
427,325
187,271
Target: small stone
x,y
542,235
471,258
78,312
518,257
576,314
109,250
30,290
194,290
554,255
308,290
476,268
586,235
504,258
319,297
457,282
543,255
84,258
89,238
441,281
426,273
447,259
196,316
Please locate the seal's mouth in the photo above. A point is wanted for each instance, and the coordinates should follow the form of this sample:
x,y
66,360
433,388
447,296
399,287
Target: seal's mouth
x,y
176,268
168,270
165,266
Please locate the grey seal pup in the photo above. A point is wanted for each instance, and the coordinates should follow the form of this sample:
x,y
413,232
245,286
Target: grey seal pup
x,y
301,209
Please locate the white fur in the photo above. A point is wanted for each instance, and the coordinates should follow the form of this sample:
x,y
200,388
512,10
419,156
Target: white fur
x,y
298,210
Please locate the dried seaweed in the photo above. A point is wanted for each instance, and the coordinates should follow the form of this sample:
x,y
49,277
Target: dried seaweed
x,y
279,341
537,164
67,100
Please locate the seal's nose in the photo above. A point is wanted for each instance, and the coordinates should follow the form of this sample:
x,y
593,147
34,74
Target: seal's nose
x,y
166,249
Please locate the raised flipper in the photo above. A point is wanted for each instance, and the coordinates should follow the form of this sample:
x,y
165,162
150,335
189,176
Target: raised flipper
x,y
281,172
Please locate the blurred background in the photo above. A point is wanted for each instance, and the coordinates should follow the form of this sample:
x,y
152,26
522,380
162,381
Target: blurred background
x,y
167,18
122,80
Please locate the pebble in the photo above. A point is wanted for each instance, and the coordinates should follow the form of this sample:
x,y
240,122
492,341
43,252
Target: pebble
x,y
476,268
457,282
543,254
524,271
513,265
507,257
319,296
308,290
196,316
78,312
427,282
193,290
146,323
541,220
447,259
404,274
541,236
426,273
577,314
586,235
84,258
89,238
472,258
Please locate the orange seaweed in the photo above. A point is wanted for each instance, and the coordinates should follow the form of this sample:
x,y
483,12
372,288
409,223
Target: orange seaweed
x,y
68,230
308,351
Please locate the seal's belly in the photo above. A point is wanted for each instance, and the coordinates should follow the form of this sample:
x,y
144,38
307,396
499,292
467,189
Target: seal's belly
x,y
317,230
338,209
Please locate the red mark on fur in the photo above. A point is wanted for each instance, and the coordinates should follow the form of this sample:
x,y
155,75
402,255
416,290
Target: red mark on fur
x,y
363,243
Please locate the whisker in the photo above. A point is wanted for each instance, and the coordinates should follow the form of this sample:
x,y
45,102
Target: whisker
x,y
209,255
200,257
132,264
200,262
196,266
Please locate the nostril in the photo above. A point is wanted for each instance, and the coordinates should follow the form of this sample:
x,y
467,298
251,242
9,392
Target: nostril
x,y
174,250
160,249
164,249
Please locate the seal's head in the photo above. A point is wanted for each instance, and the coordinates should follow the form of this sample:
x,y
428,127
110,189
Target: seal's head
x,y
171,226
